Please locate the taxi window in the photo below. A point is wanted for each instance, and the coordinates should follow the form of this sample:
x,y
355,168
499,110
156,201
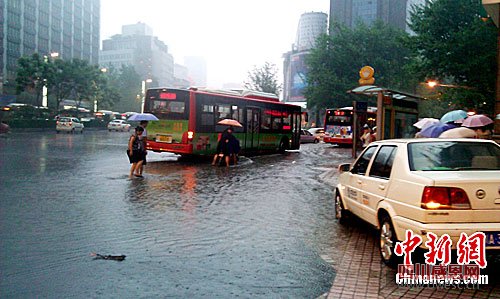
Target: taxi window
x,y
382,165
362,164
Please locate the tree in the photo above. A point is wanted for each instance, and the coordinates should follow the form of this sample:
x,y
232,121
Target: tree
x,y
264,79
32,73
127,84
335,62
76,80
453,44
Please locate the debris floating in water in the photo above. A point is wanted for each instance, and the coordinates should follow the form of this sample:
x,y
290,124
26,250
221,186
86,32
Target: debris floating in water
x,y
98,256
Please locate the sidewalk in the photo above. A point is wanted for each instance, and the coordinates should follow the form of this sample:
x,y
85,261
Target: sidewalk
x,y
360,272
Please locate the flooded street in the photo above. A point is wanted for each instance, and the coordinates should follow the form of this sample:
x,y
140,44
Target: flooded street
x,y
188,229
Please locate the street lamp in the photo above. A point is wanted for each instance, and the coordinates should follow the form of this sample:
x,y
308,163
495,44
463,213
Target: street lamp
x,y
434,83
143,91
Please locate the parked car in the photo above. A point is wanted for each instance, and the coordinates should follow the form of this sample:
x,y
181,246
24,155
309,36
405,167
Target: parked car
x,y
317,132
424,185
118,125
307,137
69,124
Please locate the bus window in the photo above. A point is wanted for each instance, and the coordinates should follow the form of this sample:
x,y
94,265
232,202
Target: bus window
x,y
277,123
235,114
266,120
207,115
223,111
286,122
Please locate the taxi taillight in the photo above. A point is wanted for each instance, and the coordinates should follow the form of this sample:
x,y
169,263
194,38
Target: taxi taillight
x,y
444,198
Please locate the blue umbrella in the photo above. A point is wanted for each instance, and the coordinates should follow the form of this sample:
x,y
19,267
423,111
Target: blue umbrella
x,y
434,130
142,116
453,116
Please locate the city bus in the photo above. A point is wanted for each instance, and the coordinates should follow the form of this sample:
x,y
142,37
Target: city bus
x,y
339,124
188,121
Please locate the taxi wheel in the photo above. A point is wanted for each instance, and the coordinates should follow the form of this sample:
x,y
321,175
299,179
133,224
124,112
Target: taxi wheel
x,y
340,211
387,238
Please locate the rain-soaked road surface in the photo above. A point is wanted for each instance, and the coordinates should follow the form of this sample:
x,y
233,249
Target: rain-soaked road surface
x,y
188,229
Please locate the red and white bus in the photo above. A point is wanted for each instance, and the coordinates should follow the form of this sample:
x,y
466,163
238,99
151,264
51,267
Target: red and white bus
x,y
188,121
339,124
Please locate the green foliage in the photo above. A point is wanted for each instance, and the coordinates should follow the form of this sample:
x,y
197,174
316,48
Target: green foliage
x,y
454,45
125,85
264,78
31,74
335,62
79,81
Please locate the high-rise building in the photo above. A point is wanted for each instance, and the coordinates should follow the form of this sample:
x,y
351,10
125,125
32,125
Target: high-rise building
x,y
197,70
350,12
311,26
136,46
181,76
68,28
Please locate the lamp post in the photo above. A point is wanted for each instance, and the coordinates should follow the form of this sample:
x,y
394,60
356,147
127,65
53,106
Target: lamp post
x,y
45,102
103,70
143,93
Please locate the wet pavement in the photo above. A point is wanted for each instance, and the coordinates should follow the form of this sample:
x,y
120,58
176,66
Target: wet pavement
x,y
262,229
188,229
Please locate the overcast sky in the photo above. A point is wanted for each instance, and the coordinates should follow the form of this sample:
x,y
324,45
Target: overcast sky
x,y
232,35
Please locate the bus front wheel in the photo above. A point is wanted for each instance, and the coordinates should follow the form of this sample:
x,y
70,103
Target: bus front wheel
x,y
284,145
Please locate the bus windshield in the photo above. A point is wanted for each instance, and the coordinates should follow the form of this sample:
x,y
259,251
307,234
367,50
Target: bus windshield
x,y
167,104
339,124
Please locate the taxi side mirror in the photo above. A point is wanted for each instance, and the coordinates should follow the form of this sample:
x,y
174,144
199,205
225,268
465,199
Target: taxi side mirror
x,y
344,167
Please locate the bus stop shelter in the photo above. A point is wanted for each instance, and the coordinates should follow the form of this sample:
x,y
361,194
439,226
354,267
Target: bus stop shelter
x,y
396,111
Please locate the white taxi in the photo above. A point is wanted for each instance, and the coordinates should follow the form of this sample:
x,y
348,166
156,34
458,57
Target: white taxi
x,y
443,186
118,125
69,124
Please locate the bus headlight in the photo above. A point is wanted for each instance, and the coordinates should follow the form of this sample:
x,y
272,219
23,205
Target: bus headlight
x,y
190,135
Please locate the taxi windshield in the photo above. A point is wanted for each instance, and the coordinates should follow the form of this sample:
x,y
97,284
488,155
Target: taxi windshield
x,y
453,155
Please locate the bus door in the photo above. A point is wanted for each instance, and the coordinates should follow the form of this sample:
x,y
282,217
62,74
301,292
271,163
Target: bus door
x,y
296,120
252,130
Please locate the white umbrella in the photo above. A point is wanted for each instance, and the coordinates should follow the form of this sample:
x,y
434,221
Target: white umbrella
x,y
424,122
142,116
460,132
230,122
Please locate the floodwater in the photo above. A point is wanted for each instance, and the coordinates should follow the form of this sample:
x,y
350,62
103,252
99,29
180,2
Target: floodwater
x,y
188,229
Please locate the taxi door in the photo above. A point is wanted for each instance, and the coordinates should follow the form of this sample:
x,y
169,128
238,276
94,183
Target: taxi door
x,y
377,181
354,192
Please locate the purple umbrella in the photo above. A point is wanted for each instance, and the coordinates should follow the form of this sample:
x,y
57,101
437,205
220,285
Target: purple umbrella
x,y
434,130
478,120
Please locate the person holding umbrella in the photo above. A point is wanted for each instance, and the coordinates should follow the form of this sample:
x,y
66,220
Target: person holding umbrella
x,y
143,119
227,147
144,138
475,126
135,152
481,124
